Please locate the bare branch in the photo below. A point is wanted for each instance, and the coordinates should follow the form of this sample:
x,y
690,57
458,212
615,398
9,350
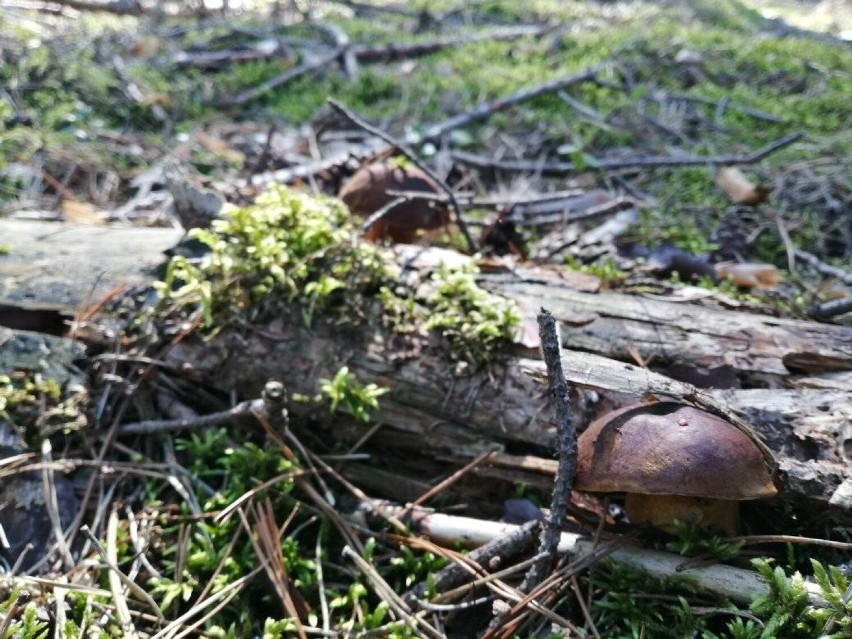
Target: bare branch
x,y
649,161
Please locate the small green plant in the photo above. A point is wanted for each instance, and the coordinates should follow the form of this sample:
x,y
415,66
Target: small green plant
x,y
631,604
784,608
607,270
28,625
38,406
345,389
835,620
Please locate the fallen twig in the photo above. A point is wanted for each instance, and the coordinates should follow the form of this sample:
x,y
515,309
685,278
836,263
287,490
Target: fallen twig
x,y
118,7
241,410
491,107
271,48
455,574
394,52
737,584
651,161
367,9
566,443
830,309
272,407
409,153
380,214
685,97
291,174
823,268
290,74
400,609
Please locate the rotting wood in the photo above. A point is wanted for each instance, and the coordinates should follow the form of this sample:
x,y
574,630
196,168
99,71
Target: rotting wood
x,y
432,414
439,416
616,325
63,266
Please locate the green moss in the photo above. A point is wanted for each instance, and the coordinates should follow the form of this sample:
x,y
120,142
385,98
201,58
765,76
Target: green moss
x,y
475,323
606,270
38,407
287,251
294,253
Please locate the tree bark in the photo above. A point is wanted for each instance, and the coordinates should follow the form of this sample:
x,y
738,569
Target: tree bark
x,y
800,399
430,413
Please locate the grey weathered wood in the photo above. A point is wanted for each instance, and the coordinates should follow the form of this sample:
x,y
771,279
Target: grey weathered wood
x,y
63,267
613,324
430,413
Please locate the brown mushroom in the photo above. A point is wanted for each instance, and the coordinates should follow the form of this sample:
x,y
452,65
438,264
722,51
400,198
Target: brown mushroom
x,y
367,191
673,461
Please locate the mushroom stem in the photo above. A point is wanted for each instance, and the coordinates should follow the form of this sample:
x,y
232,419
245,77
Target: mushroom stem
x,y
661,511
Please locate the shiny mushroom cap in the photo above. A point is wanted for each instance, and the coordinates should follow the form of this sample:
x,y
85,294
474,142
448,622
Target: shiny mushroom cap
x,y
668,448
367,191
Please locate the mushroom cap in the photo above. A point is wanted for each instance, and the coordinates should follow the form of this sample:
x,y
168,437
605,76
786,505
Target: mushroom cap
x,y
367,191
668,448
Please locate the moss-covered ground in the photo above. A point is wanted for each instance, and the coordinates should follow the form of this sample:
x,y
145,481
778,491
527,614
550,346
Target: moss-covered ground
x,y
88,104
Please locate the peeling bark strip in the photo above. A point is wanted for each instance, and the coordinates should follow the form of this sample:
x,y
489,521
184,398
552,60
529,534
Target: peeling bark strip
x,y
613,324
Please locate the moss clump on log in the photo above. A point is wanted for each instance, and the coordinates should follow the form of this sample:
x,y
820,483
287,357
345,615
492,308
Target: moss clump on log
x,y
293,253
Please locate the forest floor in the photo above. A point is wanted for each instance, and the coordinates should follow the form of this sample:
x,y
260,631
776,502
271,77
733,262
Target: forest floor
x,y
657,148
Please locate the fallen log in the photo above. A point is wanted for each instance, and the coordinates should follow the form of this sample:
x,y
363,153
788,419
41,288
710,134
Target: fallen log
x,y
429,412
432,414
63,266
619,325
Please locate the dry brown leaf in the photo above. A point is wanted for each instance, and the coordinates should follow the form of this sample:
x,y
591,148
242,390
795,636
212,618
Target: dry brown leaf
x,y
218,146
144,47
738,188
78,212
749,274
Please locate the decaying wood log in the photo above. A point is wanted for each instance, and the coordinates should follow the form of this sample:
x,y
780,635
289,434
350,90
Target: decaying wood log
x,y
431,415
64,266
618,325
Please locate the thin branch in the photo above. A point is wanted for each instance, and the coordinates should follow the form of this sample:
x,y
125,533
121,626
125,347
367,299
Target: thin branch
x,y
500,548
117,7
651,161
394,52
409,153
380,214
685,97
823,268
282,79
399,608
486,110
454,477
738,584
566,436
270,48
240,411
831,308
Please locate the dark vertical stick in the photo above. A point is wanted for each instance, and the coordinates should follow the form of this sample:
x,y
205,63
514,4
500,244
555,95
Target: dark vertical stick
x,y
566,449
